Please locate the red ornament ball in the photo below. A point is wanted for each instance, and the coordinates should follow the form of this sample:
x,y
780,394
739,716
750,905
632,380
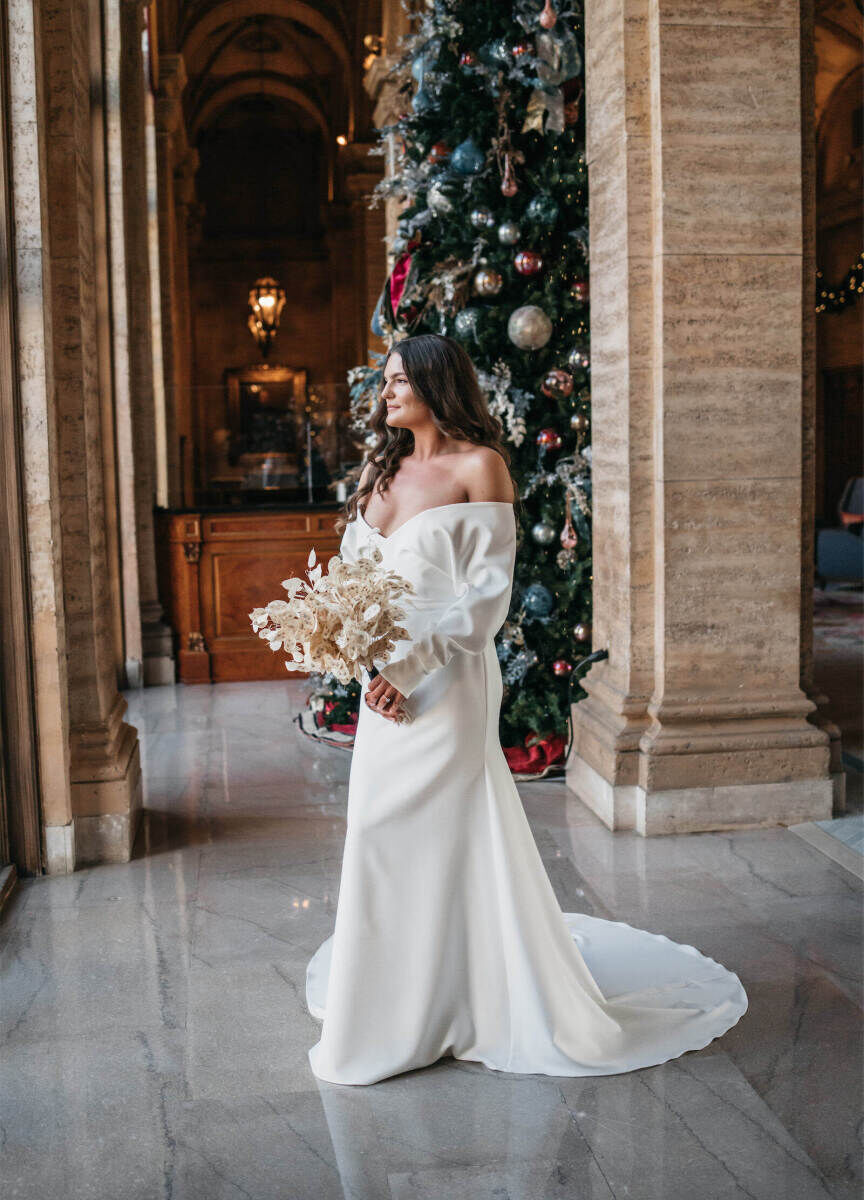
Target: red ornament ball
x,y
439,151
579,290
528,262
557,385
549,439
561,667
520,49
467,59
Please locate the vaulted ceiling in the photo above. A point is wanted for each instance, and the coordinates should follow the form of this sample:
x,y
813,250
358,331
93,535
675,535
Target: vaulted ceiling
x,y
304,53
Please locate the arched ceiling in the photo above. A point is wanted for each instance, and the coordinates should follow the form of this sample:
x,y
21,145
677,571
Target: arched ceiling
x,y
839,44
305,52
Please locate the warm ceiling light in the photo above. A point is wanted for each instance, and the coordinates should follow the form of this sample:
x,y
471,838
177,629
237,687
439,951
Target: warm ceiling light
x,y
342,140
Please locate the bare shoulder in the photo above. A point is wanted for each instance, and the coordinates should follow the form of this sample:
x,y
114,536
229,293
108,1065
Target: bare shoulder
x,y
485,475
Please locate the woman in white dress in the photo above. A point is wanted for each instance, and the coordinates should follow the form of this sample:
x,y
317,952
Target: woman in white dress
x,y
448,938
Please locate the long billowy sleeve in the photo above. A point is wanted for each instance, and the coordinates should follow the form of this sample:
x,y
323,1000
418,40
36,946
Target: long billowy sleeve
x,y
348,546
483,582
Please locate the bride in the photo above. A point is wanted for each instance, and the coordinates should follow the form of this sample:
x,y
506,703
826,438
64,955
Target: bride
x,y
448,938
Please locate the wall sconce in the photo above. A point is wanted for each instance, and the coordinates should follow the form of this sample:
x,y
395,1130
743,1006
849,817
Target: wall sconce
x,y
266,300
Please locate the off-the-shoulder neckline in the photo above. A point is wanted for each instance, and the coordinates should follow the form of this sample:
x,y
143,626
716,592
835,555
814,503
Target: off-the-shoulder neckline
x,y
385,537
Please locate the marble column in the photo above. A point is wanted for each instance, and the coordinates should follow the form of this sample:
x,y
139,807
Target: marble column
x,y
118,151
156,635
39,437
808,422
105,773
698,719
347,340
168,115
186,417
384,90
370,254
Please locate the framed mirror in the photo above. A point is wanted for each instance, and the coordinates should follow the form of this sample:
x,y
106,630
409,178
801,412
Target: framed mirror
x,y
266,427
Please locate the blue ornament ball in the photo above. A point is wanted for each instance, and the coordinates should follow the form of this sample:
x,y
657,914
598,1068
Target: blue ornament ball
x,y
538,600
543,210
467,158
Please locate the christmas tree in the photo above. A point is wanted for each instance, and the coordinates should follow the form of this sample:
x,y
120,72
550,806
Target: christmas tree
x,y
492,248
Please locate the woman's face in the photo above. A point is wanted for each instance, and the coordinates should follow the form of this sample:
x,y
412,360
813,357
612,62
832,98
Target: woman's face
x,y
404,409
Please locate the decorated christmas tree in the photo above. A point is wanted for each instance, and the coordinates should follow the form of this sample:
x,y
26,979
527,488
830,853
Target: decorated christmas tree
x,y
492,248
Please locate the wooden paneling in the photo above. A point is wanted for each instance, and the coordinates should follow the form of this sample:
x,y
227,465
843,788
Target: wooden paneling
x,y
220,567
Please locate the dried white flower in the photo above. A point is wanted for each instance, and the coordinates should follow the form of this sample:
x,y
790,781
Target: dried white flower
x,y
338,623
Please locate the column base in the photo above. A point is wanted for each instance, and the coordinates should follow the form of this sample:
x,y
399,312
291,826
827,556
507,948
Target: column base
x,y
832,731
158,645
59,853
700,809
106,838
685,765
106,789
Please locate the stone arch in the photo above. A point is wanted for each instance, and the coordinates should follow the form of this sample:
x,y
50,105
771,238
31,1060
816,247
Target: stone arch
x,y
304,14
270,85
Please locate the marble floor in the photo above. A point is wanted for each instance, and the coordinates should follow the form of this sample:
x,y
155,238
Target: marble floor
x,y
154,1031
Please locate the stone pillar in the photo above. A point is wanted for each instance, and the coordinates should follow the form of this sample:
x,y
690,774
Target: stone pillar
x,y
186,405
346,338
168,115
39,437
105,767
370,253
808,422
697,720
385,91
156,635
120,264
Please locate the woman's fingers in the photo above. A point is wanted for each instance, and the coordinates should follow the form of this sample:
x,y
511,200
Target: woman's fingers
x,y
383,698
382,710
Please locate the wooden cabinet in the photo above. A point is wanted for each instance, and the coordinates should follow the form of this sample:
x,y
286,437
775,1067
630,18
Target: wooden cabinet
x,y
215,567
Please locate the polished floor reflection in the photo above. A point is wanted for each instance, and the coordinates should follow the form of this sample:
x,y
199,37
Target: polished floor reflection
x,y
155,1032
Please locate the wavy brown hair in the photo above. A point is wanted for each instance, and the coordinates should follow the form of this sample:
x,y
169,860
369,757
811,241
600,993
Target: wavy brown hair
x,y
441,375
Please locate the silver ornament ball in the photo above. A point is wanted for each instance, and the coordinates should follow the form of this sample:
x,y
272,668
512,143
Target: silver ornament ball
x,y
508,233
578,359
543,534
482,218
529,328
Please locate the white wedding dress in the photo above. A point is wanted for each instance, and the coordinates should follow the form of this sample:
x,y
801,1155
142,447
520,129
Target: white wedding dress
x,y
448,938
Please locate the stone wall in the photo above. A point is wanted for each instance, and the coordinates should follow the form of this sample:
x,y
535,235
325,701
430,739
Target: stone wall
x,y
697,720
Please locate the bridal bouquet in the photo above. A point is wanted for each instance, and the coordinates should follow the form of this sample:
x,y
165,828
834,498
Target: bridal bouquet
x,y
339,622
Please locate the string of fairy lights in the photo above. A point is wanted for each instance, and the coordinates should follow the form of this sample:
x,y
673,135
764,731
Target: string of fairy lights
x,y
835,299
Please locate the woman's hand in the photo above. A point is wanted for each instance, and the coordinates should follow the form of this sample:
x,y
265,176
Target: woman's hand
x,y
383,698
